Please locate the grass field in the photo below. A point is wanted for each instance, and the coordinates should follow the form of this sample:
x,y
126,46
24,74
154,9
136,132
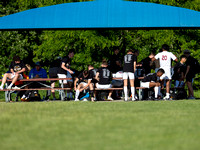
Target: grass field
x,y
144,125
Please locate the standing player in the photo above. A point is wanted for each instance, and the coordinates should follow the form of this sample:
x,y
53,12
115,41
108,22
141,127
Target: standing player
x,y
104,76
165,63
92,73
129,69
64,71
190,72
179,72
152,80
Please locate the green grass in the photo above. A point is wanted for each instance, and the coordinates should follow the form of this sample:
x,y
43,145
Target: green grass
x,y
161,125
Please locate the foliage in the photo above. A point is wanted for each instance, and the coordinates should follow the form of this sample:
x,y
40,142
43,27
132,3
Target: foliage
x,y
91,46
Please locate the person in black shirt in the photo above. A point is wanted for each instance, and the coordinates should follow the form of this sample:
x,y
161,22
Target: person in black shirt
x,y
64,68
190,73
17,67
84,80
179,72
93,73
152,80
146,63
53,73
104,76
129,69
136,54
64,71
115,64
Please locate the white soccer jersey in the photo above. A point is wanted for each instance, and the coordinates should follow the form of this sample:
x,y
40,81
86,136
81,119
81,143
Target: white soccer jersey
x,y
165,59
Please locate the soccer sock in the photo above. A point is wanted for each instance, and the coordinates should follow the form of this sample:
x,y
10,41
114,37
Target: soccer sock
x,y
167,94
11,84
156,91
159,89
126,92
1,85
92,93
133,92
77,94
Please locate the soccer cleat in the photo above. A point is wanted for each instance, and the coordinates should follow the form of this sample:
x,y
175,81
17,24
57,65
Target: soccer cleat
x,y
133,99
126,100
24,98
76,100
109,98
191,97
1,88
9,87
166,98
15,88
85,100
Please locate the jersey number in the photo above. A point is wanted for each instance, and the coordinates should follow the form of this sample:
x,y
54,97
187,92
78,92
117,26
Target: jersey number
x,y
128,58
164,57
106,73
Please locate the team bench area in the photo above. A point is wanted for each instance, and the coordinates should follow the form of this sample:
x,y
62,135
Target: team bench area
x,y
46,87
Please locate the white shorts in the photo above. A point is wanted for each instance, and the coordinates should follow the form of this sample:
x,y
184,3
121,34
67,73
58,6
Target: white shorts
x,y
84,84
128,74
167,75
19,78
101,86
145,84
65,76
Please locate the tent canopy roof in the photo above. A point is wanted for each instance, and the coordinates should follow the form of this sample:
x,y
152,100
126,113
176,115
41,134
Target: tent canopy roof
x,y
102,14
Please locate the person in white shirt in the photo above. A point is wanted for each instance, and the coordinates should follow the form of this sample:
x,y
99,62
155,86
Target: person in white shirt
x,y
165,58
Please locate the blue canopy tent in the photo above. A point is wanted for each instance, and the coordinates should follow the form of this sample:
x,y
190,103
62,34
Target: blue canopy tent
x,y
102,14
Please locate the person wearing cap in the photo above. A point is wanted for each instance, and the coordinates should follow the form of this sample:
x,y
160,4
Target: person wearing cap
x,y
37,72
190,73
17,67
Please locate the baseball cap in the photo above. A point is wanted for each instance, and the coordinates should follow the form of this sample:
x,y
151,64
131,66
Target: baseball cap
x,y
37,64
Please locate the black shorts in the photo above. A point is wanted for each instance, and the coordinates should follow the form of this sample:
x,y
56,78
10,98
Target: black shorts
x,y
53,75
189,77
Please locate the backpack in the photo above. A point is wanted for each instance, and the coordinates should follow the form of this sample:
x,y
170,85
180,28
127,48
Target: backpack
x,y
34,96
102,95
179,94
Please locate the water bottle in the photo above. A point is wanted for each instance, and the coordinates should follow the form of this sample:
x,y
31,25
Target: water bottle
x,y
31,75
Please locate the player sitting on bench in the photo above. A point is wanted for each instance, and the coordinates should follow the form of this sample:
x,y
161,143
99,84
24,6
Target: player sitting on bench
x,y
152,80
104,76
84,82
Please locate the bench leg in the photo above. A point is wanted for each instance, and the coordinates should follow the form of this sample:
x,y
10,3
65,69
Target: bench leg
x,y
62,92
7,94
140,94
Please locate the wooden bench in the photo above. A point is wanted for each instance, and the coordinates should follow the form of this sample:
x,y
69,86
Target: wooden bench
x,y
40,81
47,87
